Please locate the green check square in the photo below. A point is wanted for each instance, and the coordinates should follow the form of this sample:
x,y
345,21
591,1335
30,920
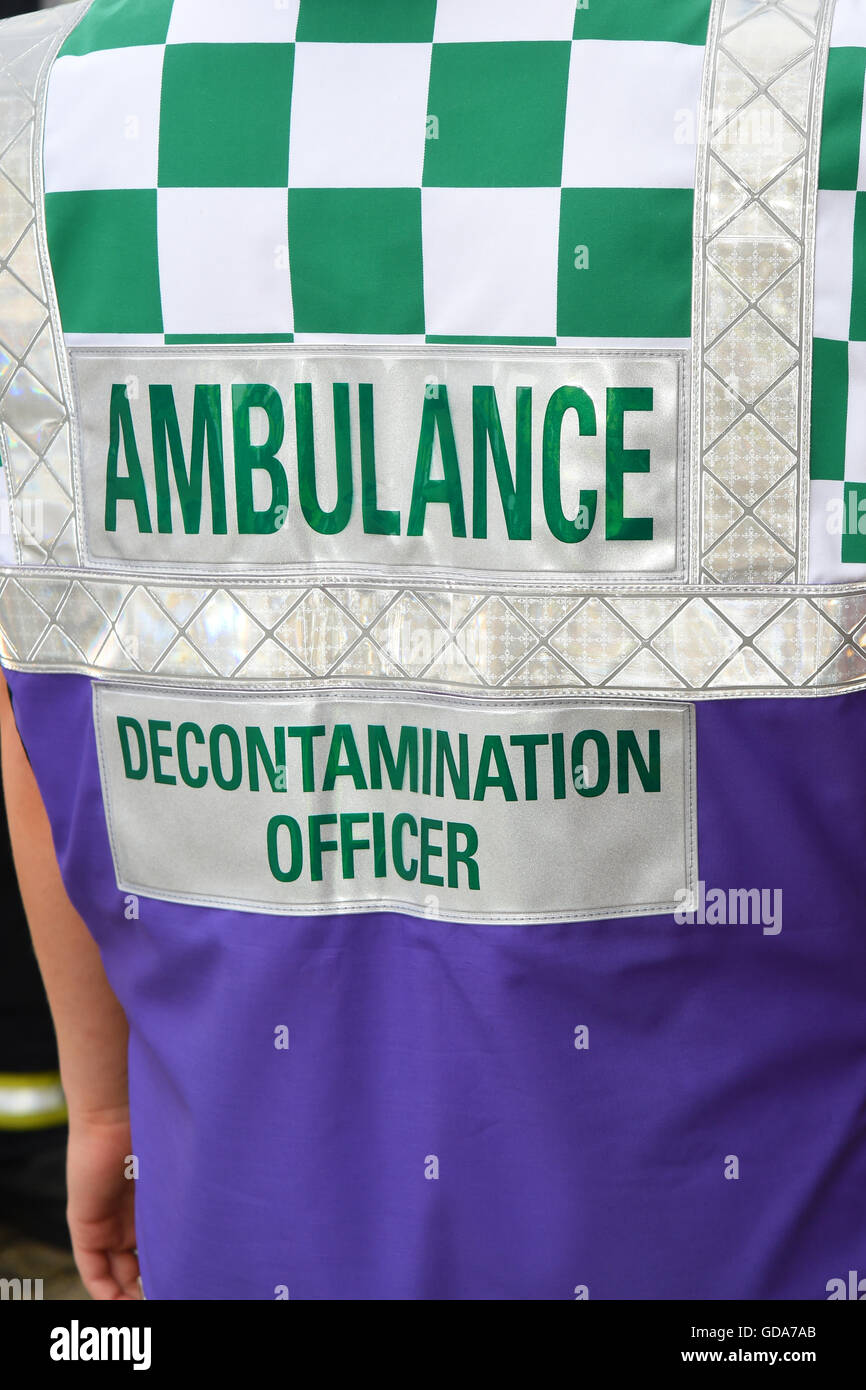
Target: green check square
x,y
348,21
103,249
858,295
843,116
625,263
118,24
355,257
496,115
224,120
666,21
854,527
829,409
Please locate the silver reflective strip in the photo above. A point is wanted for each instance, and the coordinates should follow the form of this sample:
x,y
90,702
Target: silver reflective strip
x,y
756,196
252,636
34,386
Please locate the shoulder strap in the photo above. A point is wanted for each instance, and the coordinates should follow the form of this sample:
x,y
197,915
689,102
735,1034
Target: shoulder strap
x,y
34,435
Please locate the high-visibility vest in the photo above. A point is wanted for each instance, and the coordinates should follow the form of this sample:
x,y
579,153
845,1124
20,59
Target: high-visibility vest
x,y
433,599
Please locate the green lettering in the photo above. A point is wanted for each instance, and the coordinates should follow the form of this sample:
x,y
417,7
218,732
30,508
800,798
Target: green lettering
x,y
557,748
251,458
436,420
130,488
275,824
184,733
308,767
617,526
376,521
344,739
649,772
257,751
318,845
230,782
459,776
465,856
379,751
530,743
158,750
348,843
126,725
515,491
380,860
332,522
206,433
579,767
492,751
403,822
430,851
576,399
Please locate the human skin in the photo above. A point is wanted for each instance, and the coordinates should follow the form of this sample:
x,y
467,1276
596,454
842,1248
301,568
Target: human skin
x,y
92,1038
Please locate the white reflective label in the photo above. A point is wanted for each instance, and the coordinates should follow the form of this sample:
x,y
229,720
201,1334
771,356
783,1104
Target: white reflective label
x,y
457,809
428,462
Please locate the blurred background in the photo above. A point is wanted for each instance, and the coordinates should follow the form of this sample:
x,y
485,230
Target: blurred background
x,y
33,1236
10,7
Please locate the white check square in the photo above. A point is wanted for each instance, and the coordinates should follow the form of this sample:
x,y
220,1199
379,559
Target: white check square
x,y
503,20
849,25
861,169
102,120
632,115
855,451
359,115
490,261
223,260
827,517
834,263
825,535
228,21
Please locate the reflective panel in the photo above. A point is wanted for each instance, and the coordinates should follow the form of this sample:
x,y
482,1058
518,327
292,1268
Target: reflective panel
x,y
43,516
742,642
756,197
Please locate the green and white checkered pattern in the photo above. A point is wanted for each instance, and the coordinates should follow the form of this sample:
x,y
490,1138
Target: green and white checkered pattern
x,y
404,170
838,453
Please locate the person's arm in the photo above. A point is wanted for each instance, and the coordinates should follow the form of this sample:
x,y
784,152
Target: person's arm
x,y
92,1036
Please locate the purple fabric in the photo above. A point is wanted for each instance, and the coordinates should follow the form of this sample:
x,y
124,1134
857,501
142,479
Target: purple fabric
x,y
409,1038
